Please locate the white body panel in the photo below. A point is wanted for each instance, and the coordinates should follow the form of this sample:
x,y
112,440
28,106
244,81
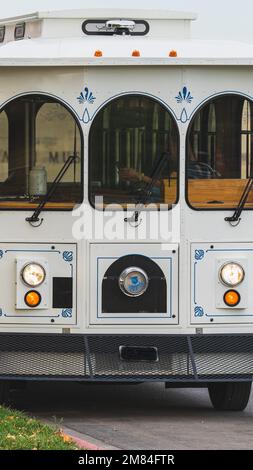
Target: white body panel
x,y
101,258
13,257
154,75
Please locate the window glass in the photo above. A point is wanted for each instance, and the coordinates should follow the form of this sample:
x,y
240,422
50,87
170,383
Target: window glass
x,y
37,135
4,129
127,140
53,146
219,153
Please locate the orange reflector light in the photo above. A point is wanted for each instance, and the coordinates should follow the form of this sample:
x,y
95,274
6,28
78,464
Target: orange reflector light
x,y
32,298
173,53
98,53
136,53
232,298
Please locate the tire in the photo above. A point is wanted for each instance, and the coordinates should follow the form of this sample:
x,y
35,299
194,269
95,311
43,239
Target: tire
x,y
229,396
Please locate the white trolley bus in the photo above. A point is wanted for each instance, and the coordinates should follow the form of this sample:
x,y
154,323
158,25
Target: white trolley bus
x,y
126,203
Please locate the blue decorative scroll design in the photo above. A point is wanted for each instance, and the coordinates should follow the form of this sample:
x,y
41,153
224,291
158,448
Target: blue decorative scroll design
x,y
1,254
184,95
199,255
67,313
68,256
86,96
199,311
1,312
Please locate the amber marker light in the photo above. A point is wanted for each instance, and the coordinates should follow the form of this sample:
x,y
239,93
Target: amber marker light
x,y
232,298
32,298
173,53
98,53
136,53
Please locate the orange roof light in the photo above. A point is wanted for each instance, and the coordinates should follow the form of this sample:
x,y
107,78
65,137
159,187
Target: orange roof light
x,y
136,53
32,298
232,298
98,53
173,53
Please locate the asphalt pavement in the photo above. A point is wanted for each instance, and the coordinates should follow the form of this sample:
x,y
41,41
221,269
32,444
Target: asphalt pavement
x,y
137,417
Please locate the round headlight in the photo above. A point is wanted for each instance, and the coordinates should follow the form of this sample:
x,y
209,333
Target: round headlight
x,y
133,282
33,274
232,274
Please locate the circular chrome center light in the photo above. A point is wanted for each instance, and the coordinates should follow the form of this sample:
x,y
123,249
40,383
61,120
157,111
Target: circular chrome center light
x,y
133,282
33,274
232,274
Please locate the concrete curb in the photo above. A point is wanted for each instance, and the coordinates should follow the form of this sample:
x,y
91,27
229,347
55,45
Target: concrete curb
x,y
85,442
81,440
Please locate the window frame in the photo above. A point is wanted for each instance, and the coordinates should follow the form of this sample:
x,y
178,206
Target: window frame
x,y
248,134
8,129
209,100
101,109
72,112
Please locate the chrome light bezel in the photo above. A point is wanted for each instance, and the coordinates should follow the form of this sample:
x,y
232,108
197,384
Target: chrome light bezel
x,y
23,275
123,276
229,284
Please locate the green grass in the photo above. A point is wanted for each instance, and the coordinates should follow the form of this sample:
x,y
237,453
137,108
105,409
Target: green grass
x,y
19,432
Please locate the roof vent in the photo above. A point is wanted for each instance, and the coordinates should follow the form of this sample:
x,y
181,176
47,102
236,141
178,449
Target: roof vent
x,y
116,26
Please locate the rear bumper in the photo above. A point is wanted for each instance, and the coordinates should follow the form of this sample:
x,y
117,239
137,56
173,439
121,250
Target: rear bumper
x,y
181,358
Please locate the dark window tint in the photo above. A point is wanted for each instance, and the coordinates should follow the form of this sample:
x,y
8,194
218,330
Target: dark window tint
x,y
219,153
127,139
37,135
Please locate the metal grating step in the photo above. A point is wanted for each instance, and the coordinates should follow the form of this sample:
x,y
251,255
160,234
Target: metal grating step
x,y
97,357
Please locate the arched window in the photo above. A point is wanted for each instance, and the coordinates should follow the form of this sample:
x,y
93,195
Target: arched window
x,y
217,172
129,137
4,132
42,133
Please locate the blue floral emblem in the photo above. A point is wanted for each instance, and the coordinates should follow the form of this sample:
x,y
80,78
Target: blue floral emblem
x,y
86,96
184,95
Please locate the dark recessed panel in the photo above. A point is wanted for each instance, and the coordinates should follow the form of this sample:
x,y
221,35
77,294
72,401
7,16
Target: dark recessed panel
x,y
62,292
154,300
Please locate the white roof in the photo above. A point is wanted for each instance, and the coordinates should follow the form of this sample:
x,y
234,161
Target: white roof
x,y
104,13
118,51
